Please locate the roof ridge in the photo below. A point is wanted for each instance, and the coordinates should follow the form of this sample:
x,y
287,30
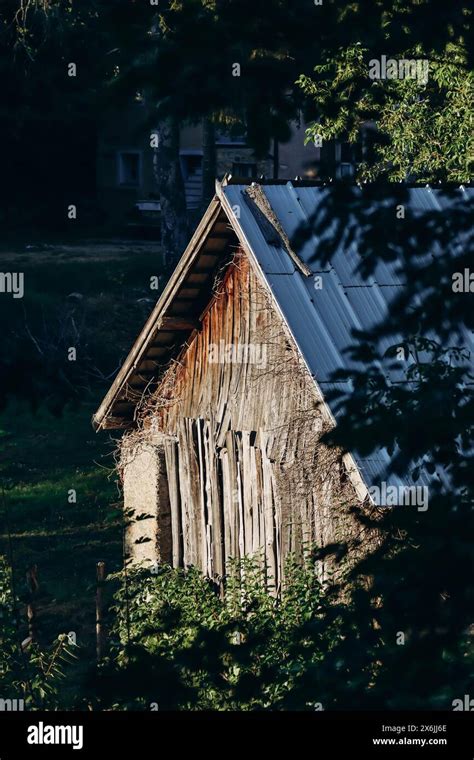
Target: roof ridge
x,y
255,194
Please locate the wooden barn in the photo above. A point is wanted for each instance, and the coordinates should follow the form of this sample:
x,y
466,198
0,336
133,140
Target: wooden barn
x,y
222,397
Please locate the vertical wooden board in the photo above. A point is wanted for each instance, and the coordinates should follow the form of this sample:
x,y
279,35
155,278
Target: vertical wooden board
x,y
269,525
240,485
183,481
279,560
247,489
256,475
188,484
211,367
318,535
195,489
239,512
261,514
256,387
183,462
191,364
227,367
214,496
204,351
290,516
234,385
242,307
208,477
234,495
206,556
172,468
227,508
244,337
191,500
204,348
305,479
262,533
216,390
229,316
203,357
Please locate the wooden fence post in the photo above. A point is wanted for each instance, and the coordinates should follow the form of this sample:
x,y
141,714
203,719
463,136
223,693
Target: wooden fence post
x,y
99,611
32,584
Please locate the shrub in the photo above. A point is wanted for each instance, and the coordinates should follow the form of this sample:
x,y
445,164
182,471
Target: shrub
x,y
178,645
31,674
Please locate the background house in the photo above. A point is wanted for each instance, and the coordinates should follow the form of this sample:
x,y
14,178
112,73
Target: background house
x,y
125,162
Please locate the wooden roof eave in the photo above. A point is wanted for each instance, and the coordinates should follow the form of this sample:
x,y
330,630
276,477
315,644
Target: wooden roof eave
x,y
152,325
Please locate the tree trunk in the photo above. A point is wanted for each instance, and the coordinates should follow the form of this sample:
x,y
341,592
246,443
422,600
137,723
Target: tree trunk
x,y
276,158
209,161
170,186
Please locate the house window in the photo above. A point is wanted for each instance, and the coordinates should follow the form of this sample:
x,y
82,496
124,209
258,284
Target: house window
x,y
191,163
344,160
230,137
244,170
129,168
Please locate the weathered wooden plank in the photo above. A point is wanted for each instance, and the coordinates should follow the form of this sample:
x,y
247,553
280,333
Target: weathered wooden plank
x,y
206,554
248,488
195,494
214,500
227,508
256,475
279,559
183,468
233,494
239,513
269,518
173,487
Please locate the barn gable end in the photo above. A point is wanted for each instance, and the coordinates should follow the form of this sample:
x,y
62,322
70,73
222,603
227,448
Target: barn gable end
x,y
239,420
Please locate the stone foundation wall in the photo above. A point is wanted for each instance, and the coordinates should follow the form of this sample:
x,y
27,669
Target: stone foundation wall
x,y
146,504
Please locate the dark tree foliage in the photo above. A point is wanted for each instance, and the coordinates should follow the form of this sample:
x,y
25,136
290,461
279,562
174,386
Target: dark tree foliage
x,y
423,122
187,62
48,118
183,62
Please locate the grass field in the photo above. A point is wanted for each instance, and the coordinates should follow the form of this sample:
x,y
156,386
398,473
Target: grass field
x,y
47,445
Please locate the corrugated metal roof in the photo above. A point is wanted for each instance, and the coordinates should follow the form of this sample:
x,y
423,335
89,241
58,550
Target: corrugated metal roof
x,y
321,320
